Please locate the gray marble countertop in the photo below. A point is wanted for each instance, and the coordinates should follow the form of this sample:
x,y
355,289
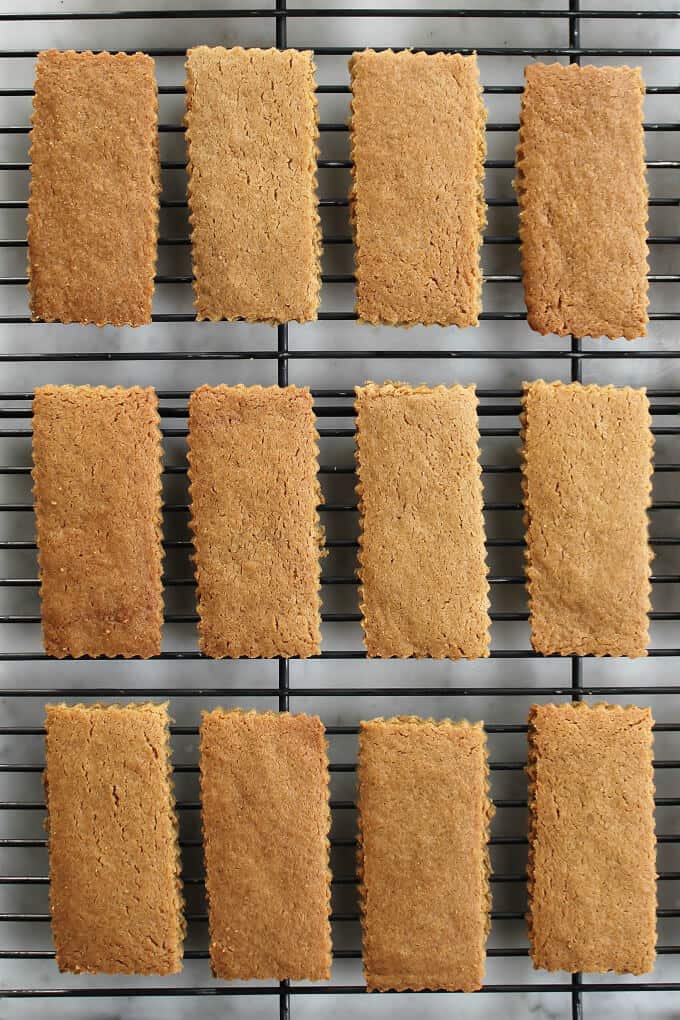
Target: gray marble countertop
x,y
486,371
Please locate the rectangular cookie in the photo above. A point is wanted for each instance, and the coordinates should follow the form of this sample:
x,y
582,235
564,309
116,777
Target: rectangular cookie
x,y
424,814
422,562
115,894
251,119
95,180
582,194
266,818
254,494
587,465
97,489
592,849
417,203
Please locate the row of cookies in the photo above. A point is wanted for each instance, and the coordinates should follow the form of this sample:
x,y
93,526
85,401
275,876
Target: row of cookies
x,y
423,863
254,502
417,199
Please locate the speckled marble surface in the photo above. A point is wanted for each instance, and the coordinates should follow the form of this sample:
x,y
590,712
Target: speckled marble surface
x,y
337,676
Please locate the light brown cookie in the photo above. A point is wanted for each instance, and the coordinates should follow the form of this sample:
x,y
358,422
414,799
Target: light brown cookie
x,y
592,850
97,488
418,147
266,818
254,493
95,179
587,465
422,561
252,136
583,196
424,813
115,893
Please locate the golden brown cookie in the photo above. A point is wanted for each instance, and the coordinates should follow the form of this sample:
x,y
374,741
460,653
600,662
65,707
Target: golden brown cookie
x,y
587,464
252,136
592,850
95,179
418,146
115,894
422,560
266,818
582,194
97,488
424,813
254,494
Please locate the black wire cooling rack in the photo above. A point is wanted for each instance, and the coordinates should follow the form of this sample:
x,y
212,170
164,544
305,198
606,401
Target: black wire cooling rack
x,y
342,686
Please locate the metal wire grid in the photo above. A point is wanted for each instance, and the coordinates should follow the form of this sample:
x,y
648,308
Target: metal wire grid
x,y
500,403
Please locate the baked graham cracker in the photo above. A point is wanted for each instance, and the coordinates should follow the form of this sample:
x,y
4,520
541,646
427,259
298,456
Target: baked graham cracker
x,y
266,819
254,495
251,120
587,465
592,849
115,894
417,201
97,489
583,196
424,814
422,561
95,181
